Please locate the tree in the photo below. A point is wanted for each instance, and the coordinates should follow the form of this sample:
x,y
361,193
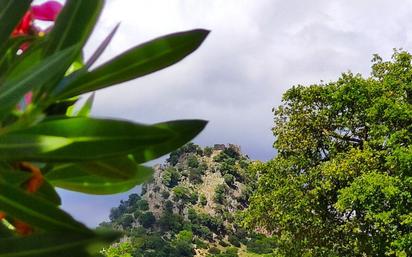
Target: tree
x,y
341,183
171,222
126,220
183,243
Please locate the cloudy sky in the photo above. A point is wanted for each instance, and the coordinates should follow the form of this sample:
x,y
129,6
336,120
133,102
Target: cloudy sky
x,y
256,51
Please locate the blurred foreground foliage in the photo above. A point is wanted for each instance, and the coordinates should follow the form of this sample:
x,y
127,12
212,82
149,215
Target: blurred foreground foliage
x,y
46,143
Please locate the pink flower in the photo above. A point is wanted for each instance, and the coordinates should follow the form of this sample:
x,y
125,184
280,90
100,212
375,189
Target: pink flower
x,y
47,11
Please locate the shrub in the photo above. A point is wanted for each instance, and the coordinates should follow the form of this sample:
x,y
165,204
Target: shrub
x,y
208,151
229,179
220,191
194,197
261,245
200,244
231,152
188,148
223,243
214,250
192,161
147,219
203,200
143,205
170,177
195,176
202,231
126,221
168,207
182,193
165,194
171,222
234,240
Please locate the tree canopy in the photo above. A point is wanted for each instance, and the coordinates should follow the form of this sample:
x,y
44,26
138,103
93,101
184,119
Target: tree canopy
x,y
341,183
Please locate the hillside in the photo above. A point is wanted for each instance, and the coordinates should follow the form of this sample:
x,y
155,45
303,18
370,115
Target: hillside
x,y
190,207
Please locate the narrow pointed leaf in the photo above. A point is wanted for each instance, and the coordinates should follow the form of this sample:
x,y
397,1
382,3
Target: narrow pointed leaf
x,y
184,131
87,107
74,25
17,86
98,177
99,51
35,211
11,12
139,61
79,139
52,244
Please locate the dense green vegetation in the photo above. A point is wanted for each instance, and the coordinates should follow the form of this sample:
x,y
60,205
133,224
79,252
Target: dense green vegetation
x,y
341,184
188,214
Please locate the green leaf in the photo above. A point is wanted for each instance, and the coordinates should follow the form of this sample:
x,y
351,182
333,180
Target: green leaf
x,y
47,192
14,177
137,62
9,56
122,167
35,210
15,87
32,57
184,131
60,244
74,25
79,139
11,12
100,177
61,107
78,64
87,107
19,178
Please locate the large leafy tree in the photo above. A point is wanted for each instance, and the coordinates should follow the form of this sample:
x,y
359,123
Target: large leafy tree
x,y
341,183
44,144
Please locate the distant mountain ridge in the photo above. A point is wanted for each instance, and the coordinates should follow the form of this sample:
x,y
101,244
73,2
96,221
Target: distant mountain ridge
x,y
190,207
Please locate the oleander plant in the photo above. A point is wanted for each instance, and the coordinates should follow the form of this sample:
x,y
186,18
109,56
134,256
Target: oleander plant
x,y
47,141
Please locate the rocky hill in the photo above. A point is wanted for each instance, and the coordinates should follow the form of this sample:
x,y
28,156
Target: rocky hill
x,y
190,207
